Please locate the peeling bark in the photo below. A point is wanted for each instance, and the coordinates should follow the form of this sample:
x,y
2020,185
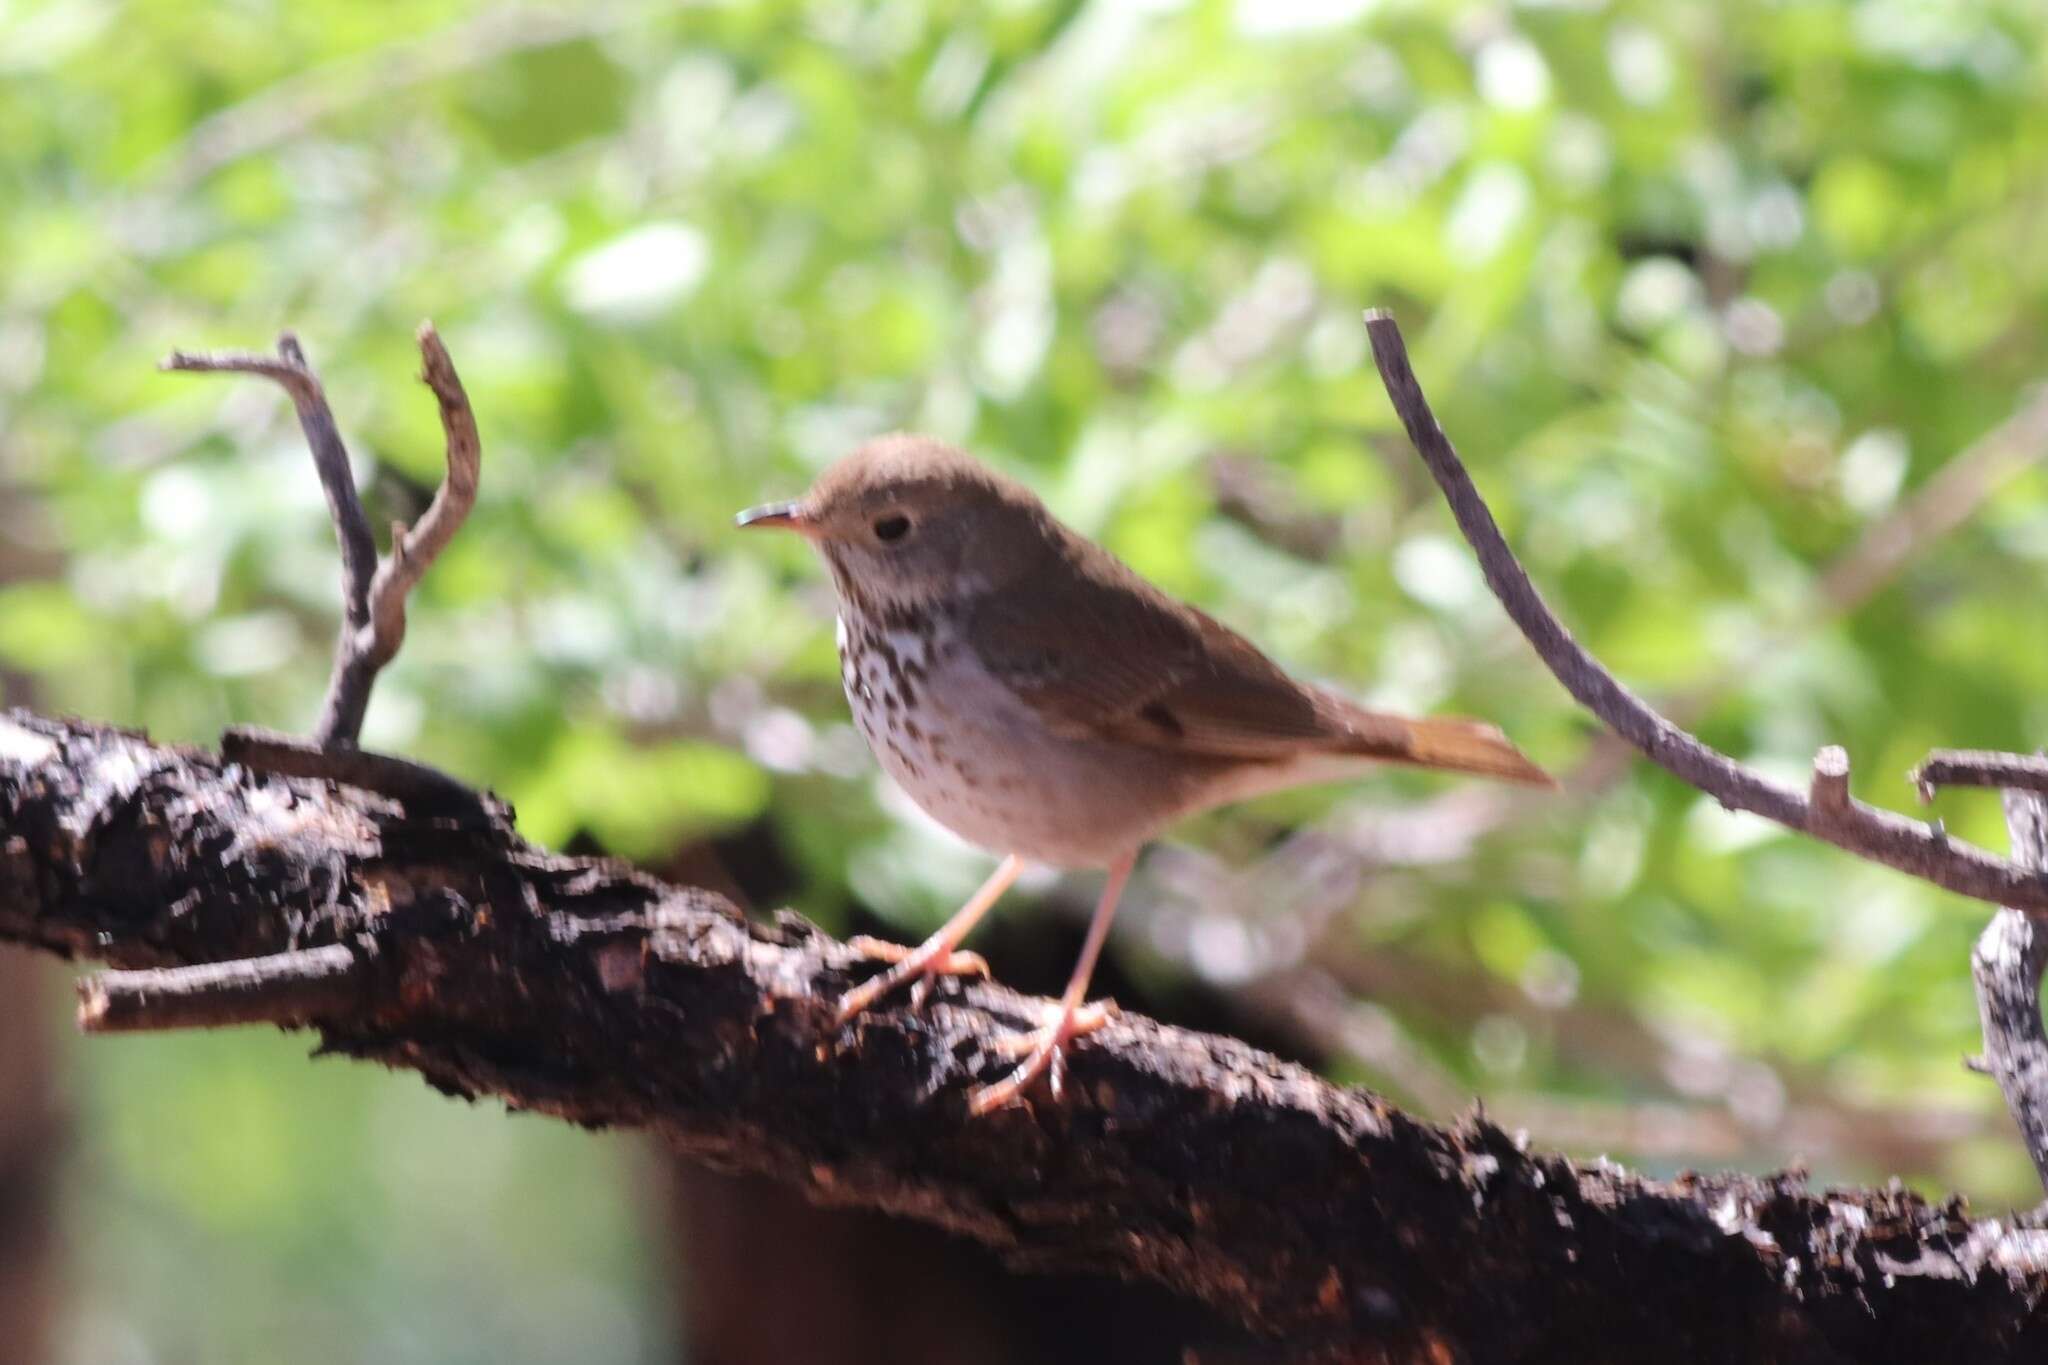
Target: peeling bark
x,y
585,990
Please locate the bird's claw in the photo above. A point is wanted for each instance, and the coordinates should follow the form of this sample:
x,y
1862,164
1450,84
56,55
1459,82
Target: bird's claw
x,y
921,965
1044,1053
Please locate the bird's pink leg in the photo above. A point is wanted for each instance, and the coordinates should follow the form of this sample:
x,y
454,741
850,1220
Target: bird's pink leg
x,y
1074,1019
935,956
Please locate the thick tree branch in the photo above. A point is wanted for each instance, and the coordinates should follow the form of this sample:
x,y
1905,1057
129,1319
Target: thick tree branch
x,y
588,991
373,594
1877,835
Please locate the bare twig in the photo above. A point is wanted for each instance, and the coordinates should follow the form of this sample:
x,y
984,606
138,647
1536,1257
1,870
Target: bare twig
x,y
412,552
330,456
1877,835
283,988
2007,966
1980,768
373,593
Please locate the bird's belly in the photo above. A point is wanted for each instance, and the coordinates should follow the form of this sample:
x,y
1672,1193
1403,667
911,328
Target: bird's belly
x,y
977,760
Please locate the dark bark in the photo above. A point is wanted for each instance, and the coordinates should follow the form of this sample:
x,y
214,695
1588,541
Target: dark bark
x,y
591,992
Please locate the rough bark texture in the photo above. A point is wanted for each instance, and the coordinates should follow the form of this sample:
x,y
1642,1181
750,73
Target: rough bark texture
x,y
585,990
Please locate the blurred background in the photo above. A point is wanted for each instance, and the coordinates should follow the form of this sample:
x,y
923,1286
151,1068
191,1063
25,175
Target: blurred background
x,y
1736,311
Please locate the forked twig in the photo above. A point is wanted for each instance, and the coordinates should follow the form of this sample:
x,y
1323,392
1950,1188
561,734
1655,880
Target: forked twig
x,y
373,592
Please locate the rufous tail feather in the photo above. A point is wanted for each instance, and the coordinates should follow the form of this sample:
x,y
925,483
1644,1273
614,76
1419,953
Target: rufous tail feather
x,y
1454,744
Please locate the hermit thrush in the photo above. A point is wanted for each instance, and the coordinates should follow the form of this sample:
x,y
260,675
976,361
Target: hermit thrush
x,y
1039,699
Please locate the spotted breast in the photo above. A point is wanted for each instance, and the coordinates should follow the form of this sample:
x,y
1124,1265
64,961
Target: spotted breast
x,y
972,756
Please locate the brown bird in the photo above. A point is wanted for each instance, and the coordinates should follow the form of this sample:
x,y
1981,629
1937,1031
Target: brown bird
x,y
1039,699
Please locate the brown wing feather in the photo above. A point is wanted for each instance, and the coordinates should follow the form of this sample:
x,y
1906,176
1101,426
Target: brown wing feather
x,y
1106,655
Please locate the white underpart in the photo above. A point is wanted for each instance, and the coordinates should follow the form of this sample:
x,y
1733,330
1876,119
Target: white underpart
x,y
982,763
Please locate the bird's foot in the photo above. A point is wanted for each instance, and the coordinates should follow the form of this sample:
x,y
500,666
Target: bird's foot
x,y
924,964
1044,1052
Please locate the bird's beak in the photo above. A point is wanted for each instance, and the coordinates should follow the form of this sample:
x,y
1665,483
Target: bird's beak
x,y
789,516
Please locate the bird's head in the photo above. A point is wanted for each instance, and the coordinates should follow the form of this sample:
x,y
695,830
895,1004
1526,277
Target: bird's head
x,y
908,521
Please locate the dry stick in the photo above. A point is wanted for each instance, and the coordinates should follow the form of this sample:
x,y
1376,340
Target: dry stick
x,y
1980,768
413,551
373,593
1877,835
283,988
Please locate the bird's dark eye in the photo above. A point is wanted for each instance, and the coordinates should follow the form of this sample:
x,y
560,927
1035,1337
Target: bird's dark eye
x,y
892,528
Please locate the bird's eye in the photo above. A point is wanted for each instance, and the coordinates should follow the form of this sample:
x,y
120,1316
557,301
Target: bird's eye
x,y
892,528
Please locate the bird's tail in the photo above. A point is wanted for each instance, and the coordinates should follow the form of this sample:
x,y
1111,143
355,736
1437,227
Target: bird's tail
x,y
1451,744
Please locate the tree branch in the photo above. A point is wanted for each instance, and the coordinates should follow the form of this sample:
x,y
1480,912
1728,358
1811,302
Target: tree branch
x,y
373,593
585,990
1877,835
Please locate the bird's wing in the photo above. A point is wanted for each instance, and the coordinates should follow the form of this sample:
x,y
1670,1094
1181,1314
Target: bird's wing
x,y
1111,657
1098,653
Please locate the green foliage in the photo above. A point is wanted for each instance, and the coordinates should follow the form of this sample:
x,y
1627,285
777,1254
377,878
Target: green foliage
x,y
1703,291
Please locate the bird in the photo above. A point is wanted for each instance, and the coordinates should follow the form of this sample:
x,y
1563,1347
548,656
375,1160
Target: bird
x,y
1033,694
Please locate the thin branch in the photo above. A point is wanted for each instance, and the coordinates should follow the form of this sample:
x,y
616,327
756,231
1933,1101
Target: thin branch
x,y
2007,966
584,990
1877,835
1979,768
414,551
373,593
283,988
330,456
